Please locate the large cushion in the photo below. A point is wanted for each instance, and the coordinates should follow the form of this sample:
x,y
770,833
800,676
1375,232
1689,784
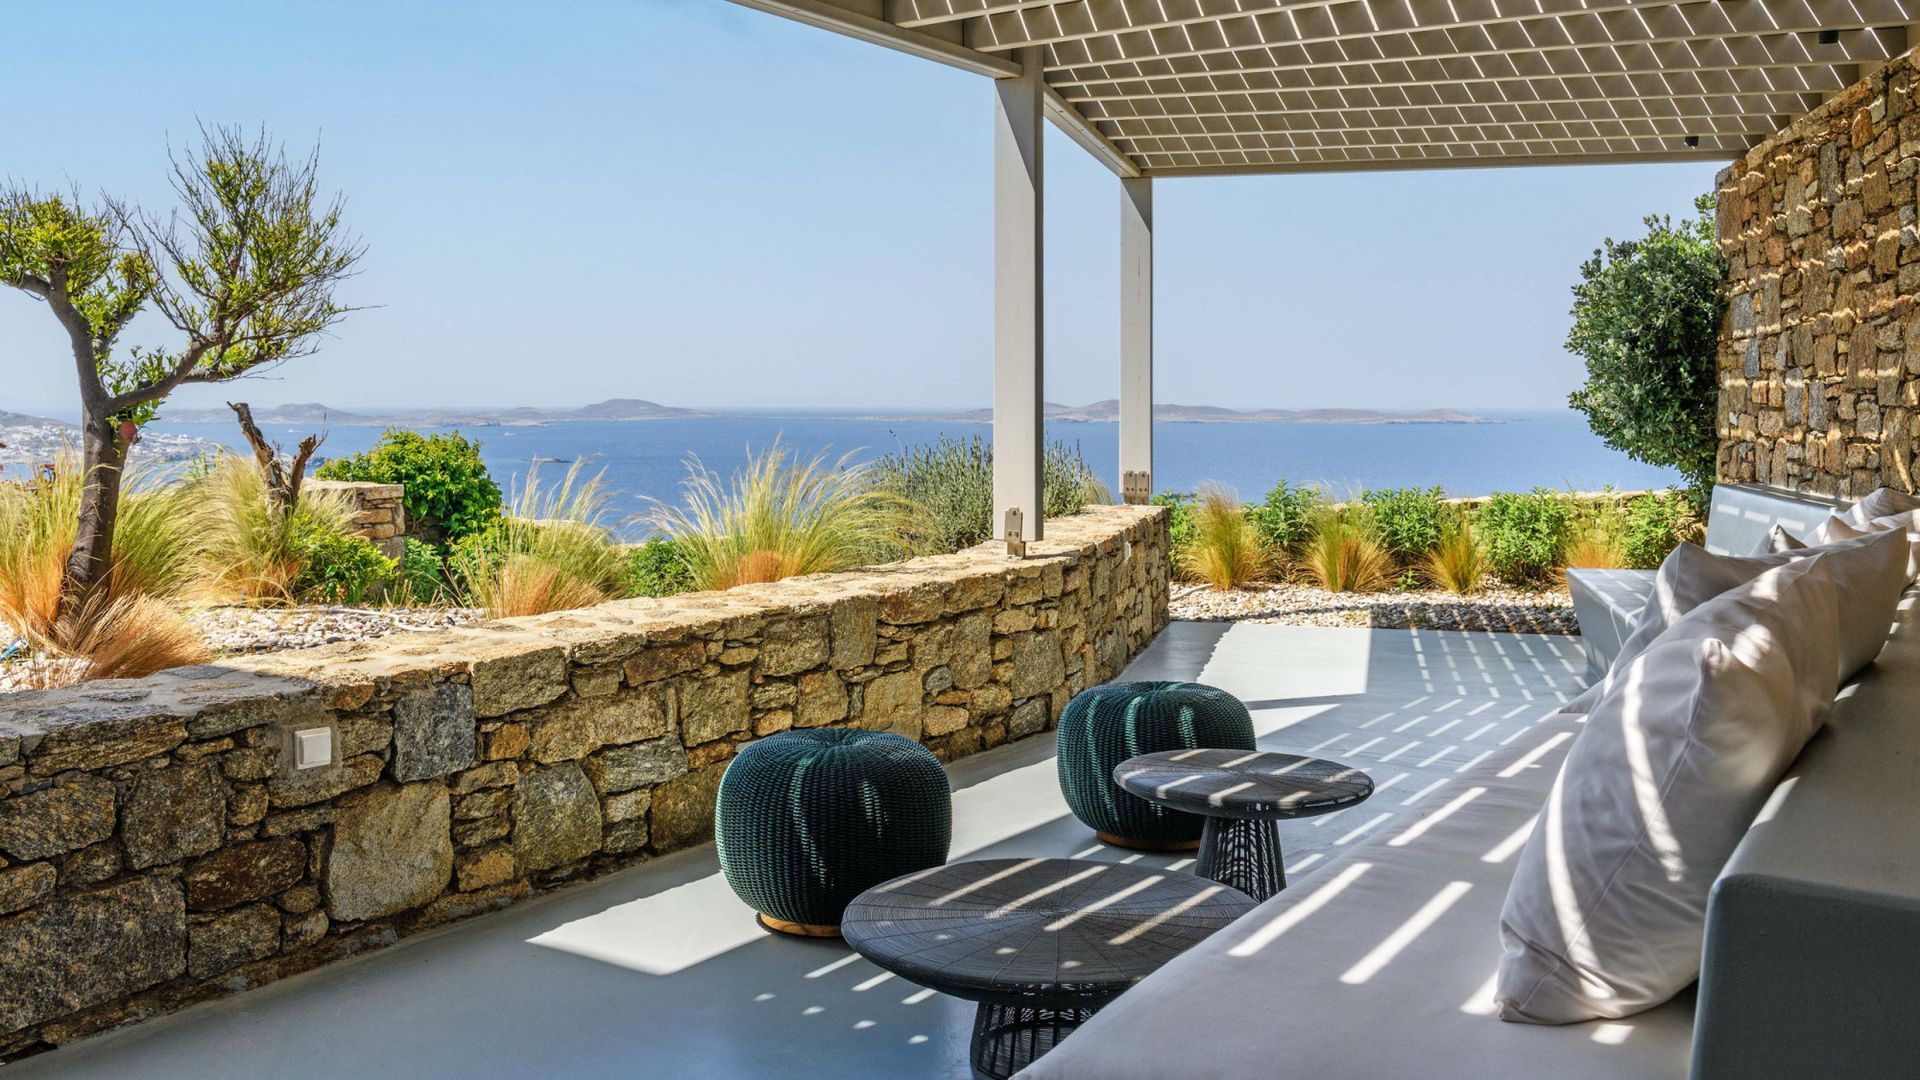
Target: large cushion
x,y
1376,966
1881,503
1607,907
1866,566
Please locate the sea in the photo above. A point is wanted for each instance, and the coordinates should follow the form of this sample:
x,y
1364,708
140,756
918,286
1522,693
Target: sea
x,y
646,460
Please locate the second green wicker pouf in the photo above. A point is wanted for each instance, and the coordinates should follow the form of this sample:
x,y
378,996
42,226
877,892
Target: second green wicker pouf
x,y
1108,724
807,820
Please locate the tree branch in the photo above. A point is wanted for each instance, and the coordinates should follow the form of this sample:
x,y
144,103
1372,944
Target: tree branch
x,y
86,361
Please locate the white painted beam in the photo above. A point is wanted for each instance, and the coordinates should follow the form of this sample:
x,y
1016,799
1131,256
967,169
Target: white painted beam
x,y
841,19
1019,185
1136,339
1091,139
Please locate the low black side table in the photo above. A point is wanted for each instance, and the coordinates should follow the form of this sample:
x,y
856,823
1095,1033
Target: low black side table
x,y
1243,794
1039,943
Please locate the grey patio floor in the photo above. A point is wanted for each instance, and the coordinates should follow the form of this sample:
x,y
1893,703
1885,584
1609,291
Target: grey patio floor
x,y
659,971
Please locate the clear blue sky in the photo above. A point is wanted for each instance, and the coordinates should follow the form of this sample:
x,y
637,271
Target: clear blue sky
x,y
692,202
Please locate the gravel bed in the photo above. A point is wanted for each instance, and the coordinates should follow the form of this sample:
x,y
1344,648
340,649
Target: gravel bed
x,y
258,630
1495,608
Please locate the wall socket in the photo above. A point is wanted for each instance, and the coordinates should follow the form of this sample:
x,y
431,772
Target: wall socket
x,y
312,748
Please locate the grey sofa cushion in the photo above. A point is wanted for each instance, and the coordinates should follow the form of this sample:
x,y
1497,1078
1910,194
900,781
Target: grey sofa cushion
x,y
1379,966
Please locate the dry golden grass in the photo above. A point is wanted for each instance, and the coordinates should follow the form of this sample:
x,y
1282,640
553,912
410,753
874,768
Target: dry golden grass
x,y
248,550
1599,552
1226,552
781,516
523,584
124,638
1457,564
1345,556
552,552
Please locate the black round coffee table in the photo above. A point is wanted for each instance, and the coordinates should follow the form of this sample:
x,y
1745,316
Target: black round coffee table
x,y
1039,943
1242,794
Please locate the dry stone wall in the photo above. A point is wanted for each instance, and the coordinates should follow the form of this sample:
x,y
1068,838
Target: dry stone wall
x,y
156,847
374,510
1820,354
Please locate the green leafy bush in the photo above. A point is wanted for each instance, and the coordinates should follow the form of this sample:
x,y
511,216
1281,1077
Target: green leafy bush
x,y
1410,522
1526,535
1285,518
658,568
337,569
950,480
421,577
1655,526
449,494
1646,318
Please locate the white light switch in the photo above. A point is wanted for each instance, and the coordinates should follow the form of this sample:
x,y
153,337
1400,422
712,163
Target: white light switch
x,y
312,748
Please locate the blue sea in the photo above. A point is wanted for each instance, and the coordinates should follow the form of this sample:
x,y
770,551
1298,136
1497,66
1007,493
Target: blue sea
x,y
645,459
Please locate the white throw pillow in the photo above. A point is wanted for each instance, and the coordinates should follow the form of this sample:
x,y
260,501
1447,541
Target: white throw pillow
x,y
1880,503
1870,565
1607,908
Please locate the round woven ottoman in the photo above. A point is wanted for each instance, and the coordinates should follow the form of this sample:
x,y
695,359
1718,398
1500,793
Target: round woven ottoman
x,y
1108,724
807,820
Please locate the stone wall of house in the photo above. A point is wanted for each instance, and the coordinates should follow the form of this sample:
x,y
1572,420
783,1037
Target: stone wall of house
x,y
1820,354
375,509
157,846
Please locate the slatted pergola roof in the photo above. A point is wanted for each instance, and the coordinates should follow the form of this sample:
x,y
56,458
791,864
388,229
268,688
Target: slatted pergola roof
x,y
1200,87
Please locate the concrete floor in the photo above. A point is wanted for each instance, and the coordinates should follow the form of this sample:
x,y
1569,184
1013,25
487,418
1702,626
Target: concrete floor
x,y
660,971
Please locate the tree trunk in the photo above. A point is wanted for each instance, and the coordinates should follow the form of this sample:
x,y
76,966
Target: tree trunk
x,y
103,456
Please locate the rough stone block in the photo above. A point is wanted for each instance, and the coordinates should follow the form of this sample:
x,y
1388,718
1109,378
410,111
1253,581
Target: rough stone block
x,y
321,785
172,814
823,700
892,703
713,708
226,941
245,872
856,631
683,808
434,732
572,729
392,850
556,817
642,764
57,819
664,661
1038,665
22,887
519,676
788,648
109,942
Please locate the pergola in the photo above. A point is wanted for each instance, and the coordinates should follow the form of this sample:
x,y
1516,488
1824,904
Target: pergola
x,y
1177,88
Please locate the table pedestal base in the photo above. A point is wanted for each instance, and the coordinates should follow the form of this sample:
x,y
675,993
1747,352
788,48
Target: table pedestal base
x,y
1244,854
1007,1038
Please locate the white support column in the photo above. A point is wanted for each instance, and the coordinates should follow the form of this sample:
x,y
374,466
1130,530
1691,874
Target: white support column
x,y
1136,339
1018,261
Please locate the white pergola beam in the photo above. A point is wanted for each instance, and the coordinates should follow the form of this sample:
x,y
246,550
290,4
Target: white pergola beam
x,y
1019,184
1136,339
867,25
1083,131
1218,164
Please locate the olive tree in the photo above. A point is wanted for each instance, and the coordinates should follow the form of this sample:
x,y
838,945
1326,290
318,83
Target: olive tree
x,y
1646,318
244,269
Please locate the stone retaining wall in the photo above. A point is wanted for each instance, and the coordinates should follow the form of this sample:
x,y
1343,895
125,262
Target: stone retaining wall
x,y
157,848
376,510
1820,355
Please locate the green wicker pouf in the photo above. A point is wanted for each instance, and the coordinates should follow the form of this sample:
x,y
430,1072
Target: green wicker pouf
x,y
1106,725
807,820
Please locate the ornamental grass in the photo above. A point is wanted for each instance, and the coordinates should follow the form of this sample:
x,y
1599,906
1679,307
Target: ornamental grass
x,y
781,516
1457,564
1225,549
1345,554
551,552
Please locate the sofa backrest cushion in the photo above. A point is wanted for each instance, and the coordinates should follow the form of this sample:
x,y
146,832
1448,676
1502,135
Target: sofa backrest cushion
x,y
1741,515
1607,907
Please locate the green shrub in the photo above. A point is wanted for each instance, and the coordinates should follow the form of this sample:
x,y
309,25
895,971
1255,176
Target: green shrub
x,y
658,568
1182,530
950,480
1284,519
337,569
449,494
421,577
1410,522
1655,526
1526,535
1646,318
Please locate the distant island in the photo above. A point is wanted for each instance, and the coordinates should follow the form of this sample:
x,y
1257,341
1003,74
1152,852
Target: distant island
x,y
613,409
1109,410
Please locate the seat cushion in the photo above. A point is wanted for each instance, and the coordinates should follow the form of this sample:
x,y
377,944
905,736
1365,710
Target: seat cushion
x,y
1608,902
1378,966
1608,604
